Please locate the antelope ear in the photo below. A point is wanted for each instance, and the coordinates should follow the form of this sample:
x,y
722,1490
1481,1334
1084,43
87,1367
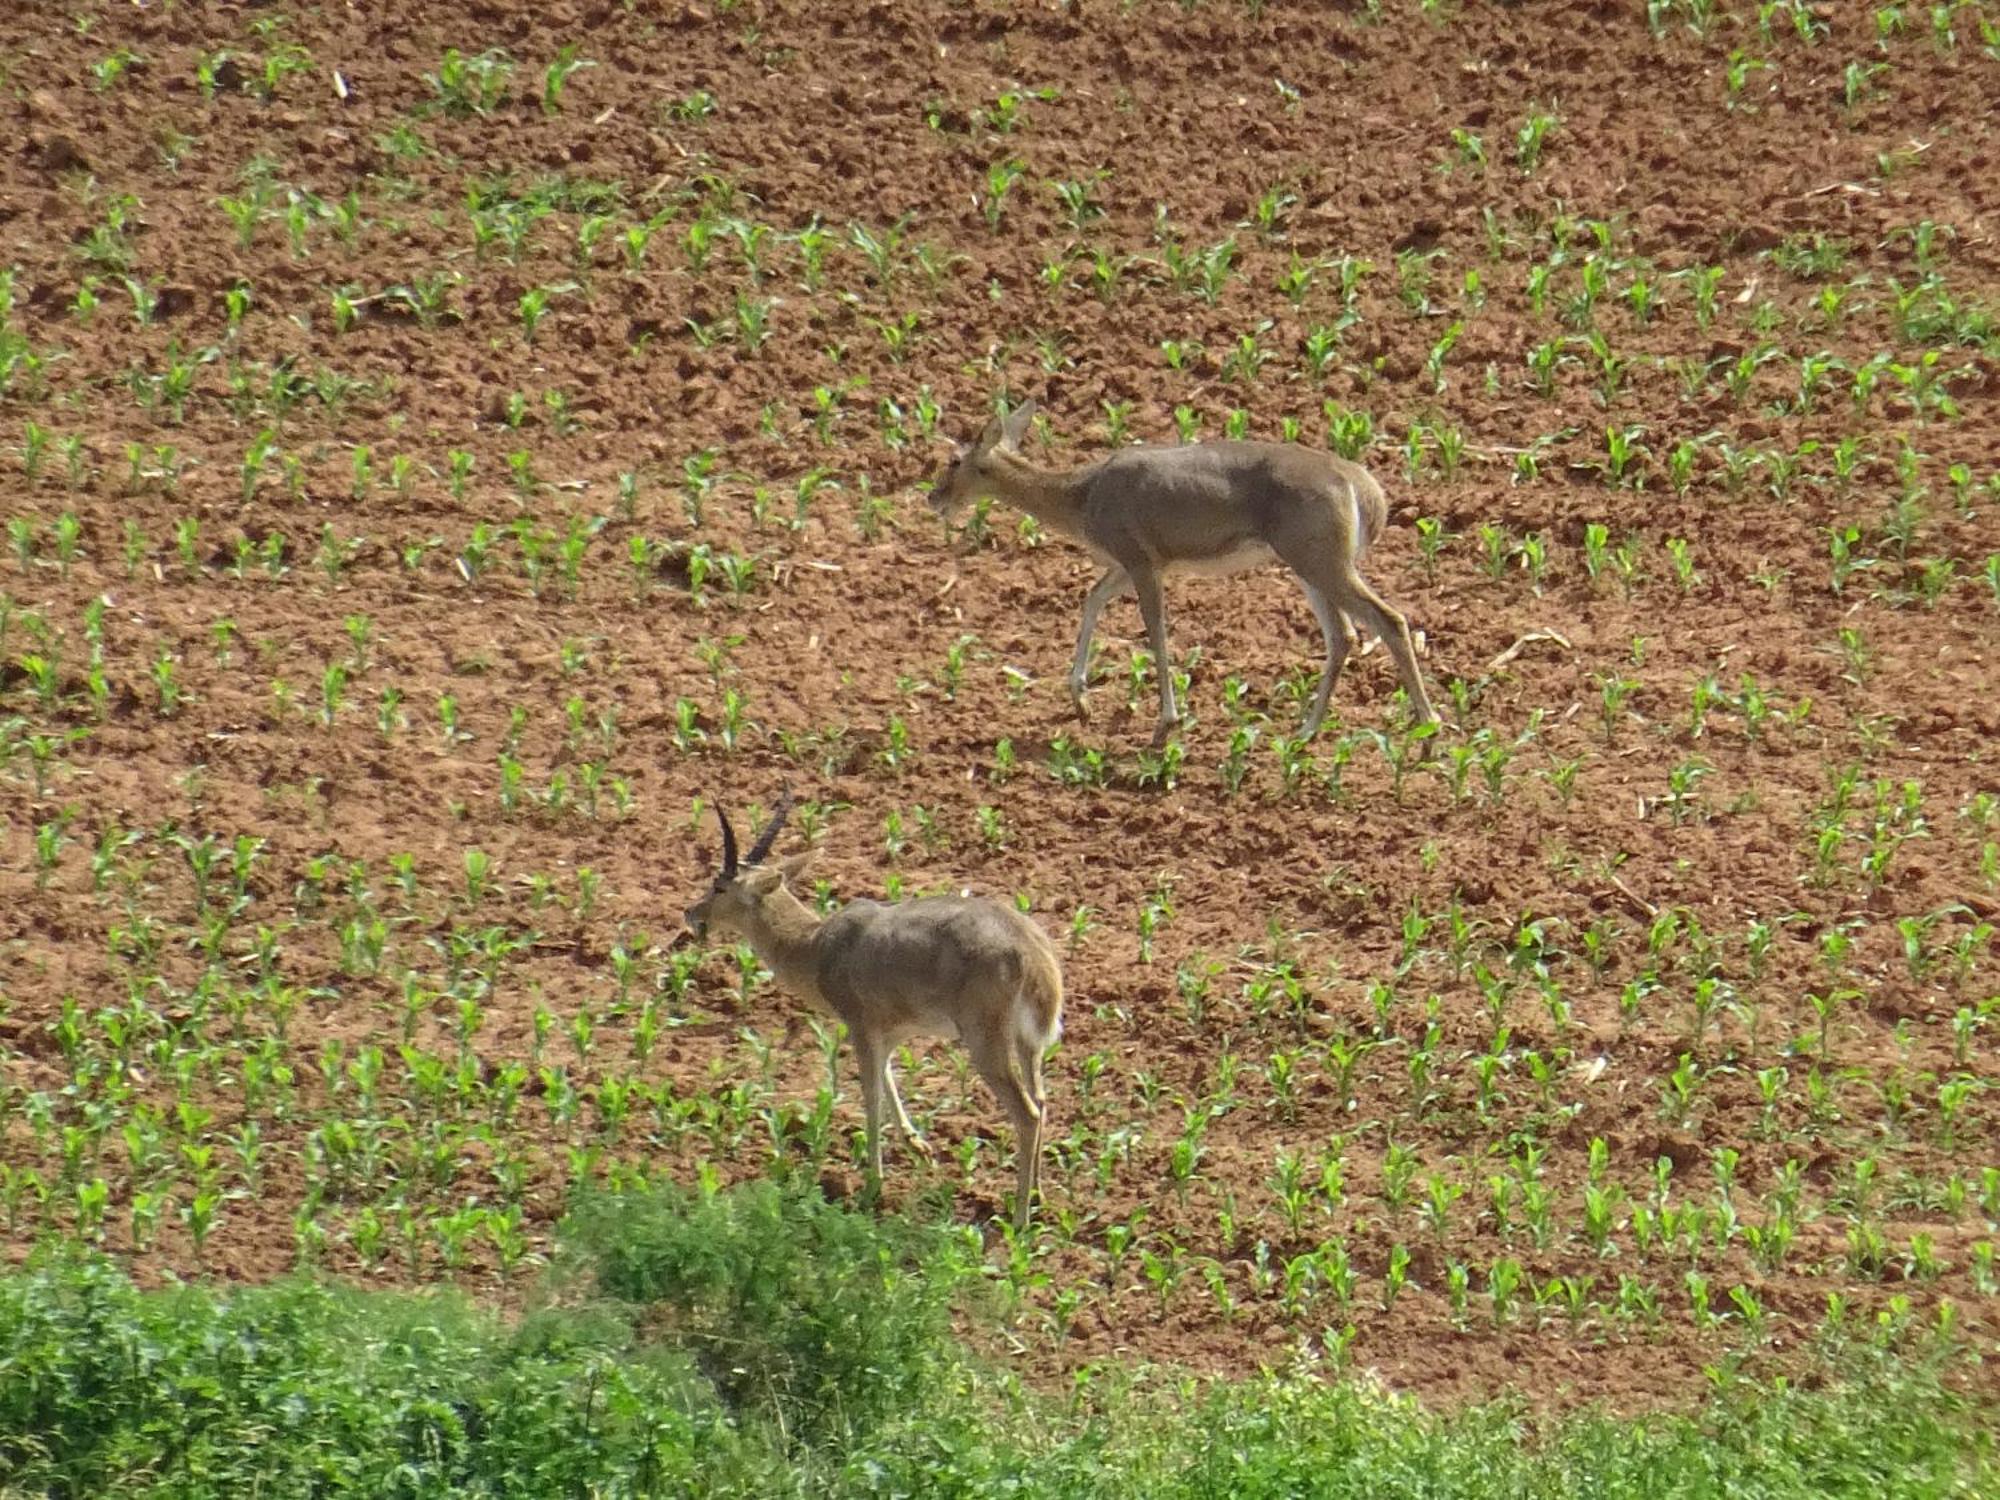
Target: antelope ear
x,y
1014,426
792,867
991,436
761,880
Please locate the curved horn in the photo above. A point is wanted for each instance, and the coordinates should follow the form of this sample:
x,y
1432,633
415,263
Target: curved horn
x,y
728,844
770,834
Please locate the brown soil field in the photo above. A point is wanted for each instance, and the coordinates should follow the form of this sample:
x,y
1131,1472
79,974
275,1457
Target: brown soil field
x,y
435,479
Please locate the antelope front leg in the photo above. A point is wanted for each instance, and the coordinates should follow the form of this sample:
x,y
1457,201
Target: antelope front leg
x,y
1152,605
918,1142
874,1071
1101,593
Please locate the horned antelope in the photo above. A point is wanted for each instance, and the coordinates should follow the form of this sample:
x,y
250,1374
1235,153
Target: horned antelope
x,y
950,966
1146,512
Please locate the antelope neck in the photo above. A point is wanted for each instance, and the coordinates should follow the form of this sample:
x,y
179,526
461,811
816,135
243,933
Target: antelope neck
x,y
784,930
1051,496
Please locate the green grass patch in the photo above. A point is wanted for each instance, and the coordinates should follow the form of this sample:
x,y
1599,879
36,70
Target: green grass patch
x,y
760,1342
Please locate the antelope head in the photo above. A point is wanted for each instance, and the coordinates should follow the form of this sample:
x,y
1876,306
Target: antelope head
x,y
967,478
740,885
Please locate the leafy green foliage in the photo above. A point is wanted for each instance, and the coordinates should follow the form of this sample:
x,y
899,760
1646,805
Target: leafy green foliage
x,y
791,1309
812,1317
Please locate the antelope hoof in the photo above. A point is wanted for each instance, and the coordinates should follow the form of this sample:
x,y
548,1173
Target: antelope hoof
x,y
1076,702
920,1145
1164,733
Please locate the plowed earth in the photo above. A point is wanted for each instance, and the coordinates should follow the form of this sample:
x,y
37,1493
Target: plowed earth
x,y
273,267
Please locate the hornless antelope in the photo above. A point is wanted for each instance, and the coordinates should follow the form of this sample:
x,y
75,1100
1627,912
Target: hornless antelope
x,y
1203,507
952,966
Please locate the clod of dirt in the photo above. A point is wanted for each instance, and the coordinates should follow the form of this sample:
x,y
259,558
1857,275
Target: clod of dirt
x,y
56,154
